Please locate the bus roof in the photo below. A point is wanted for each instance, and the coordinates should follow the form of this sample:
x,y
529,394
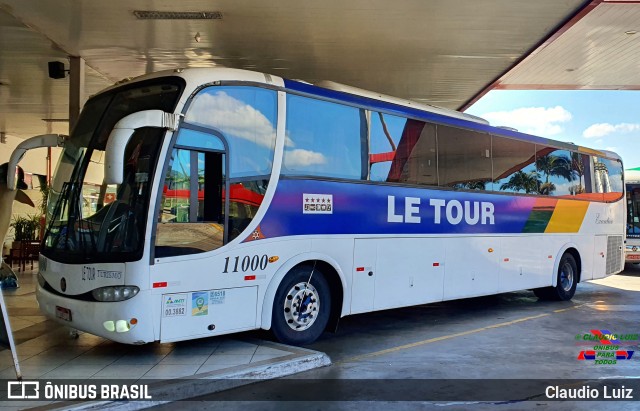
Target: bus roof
x,y
370,100
341,93
632,175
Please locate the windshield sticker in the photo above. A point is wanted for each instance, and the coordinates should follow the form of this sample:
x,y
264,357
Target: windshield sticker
x,y
199,304
216,297
174,305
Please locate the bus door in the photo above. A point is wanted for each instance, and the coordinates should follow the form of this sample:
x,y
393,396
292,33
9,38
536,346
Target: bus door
x,y
191,216
192,220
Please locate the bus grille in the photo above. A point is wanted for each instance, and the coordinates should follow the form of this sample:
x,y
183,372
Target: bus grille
x,y
614,254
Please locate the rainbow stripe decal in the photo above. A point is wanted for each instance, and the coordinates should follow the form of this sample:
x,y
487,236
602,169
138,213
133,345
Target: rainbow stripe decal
x,y
550,215
351,208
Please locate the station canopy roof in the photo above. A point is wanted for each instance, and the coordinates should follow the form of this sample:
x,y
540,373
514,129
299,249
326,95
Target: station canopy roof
x,y
442,52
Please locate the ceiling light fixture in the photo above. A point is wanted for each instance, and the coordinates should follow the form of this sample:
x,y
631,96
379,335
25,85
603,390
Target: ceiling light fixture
x,y
630,32
177,15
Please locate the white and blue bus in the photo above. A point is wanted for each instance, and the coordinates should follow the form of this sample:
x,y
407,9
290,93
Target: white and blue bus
x,y
632,186
202,202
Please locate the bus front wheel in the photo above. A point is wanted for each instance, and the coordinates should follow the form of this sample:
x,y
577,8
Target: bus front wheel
x,y
566,283
301,307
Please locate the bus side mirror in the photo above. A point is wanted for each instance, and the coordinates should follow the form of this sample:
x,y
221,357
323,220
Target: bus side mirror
x,y
121,134
43,140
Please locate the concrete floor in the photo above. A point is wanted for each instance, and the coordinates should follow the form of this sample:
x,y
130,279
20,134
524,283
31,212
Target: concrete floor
x,y
47,352
402,354
388,355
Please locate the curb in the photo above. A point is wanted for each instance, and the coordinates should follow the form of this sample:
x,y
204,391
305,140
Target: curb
x,y
168,391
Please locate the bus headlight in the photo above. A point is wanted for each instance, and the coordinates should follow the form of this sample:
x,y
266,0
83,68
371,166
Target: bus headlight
x,y
120,326
115,293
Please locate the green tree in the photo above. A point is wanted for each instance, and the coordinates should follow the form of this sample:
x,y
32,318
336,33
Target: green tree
x,y
546,189
521,181
578,168
472,185
552,165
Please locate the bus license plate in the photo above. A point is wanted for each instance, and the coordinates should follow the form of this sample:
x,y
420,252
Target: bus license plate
x,y
63,313
633,257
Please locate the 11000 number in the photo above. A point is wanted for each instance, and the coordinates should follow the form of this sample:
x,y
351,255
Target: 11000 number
x,y
253,263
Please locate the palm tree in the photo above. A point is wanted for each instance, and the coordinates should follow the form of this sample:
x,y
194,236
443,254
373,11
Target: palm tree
x,y
559,166
472,185
578,168
521,181
546,189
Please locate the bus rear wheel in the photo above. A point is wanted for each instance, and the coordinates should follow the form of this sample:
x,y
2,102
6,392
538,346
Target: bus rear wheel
x,y
301,307
566,283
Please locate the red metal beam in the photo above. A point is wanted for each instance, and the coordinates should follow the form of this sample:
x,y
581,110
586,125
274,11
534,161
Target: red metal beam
x,y
563,28
563,87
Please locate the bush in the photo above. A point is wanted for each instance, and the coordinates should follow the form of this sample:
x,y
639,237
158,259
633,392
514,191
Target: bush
x,y
26,228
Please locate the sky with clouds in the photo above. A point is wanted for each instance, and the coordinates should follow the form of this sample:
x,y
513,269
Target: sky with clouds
x,y
608,120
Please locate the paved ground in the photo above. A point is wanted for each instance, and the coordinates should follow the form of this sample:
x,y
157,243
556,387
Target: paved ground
x,y
388,356
46,351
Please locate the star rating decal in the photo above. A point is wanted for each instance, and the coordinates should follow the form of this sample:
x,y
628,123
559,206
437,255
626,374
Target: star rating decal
x,y
317,203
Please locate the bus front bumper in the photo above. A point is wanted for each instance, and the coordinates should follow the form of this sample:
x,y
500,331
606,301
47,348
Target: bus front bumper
x,y
127,321
632,254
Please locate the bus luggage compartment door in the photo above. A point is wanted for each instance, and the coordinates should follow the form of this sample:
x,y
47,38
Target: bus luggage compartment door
x,y
471,267
207,313
406,271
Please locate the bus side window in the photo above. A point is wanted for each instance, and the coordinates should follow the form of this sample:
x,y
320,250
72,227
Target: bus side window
x,y
324,139
514,168
385,132
244,200
607,178
581,165
557,175
414,161
464,158
246,117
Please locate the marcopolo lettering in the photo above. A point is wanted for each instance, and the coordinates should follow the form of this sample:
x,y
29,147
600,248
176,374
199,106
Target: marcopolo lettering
x,y
452,211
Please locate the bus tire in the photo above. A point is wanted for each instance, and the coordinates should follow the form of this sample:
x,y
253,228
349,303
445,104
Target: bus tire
x,y
288,323
566,283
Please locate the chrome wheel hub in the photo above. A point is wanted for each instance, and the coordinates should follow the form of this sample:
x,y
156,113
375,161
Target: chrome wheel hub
x,y
301,306
566,277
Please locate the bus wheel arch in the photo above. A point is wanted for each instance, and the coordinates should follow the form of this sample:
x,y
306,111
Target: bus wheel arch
x,y
576,256
566,277
567,249
330,271
336,288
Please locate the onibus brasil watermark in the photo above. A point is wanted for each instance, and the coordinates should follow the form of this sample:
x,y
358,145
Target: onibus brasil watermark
x,y
35,390
607,348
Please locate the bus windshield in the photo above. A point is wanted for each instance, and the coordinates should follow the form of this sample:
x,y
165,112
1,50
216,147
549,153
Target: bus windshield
x,y
89,220
633,210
